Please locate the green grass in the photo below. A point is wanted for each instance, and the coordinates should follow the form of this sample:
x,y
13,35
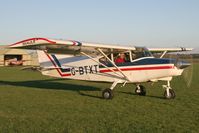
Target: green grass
x,y
30,102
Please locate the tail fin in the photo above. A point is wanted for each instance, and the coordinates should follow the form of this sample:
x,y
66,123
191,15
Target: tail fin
x,y
48,66
51,65
44,59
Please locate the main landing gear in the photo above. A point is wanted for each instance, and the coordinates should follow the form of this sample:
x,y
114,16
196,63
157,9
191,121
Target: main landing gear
x,y
169,93
140,90
108,93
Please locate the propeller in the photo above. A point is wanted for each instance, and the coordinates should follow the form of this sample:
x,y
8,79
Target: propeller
x,y
188,71
184,61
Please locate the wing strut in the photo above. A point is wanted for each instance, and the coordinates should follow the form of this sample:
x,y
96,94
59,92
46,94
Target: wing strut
x,y
113,63
102,64
163,54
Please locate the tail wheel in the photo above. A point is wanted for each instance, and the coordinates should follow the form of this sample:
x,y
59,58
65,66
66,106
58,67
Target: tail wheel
x,y
171,94
140,90
107,94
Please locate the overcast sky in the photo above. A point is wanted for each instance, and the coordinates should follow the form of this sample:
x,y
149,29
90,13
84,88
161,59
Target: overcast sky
x,y
151,23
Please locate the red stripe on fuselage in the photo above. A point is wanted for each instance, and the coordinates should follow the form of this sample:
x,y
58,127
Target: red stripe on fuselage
x,y
58,70
107,70
138,68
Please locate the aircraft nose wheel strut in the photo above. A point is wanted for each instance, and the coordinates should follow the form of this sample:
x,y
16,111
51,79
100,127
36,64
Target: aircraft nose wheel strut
x,y
169,92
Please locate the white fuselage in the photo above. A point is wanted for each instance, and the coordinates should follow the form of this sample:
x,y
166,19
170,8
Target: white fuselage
x,y
84,68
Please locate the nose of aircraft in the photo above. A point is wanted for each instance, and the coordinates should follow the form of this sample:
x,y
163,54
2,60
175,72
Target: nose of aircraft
x,y
182,64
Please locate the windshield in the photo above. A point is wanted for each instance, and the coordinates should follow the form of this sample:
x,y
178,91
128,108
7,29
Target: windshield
x,y
141,52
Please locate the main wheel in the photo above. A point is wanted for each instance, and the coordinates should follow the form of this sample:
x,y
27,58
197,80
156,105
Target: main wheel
x,y
140,91
107,94
171,94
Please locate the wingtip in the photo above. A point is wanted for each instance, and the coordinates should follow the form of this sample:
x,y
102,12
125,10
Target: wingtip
x,y
30,41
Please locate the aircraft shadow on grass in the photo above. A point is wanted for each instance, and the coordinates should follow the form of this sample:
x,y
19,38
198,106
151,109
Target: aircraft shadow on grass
x,y
130,93
52,84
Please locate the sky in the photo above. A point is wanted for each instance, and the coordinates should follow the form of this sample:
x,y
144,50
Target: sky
x,y
150,23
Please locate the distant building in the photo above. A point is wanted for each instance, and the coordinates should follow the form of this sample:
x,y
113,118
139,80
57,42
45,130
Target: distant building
x,y
17,57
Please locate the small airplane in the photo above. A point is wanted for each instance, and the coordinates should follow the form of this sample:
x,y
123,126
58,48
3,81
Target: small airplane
x,y
15,62
105,63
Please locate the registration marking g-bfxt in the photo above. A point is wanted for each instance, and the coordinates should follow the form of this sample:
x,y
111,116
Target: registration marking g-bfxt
x,y
91,69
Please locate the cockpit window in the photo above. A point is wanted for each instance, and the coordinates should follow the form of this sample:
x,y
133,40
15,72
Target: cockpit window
x,y
118,58
121,58
125,57
141,52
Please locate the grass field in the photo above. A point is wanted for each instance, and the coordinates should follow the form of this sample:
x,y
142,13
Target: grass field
x,y
30,102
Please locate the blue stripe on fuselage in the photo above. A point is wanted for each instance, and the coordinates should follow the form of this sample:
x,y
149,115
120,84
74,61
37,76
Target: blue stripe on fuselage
x,y
67,60
59,65
145,61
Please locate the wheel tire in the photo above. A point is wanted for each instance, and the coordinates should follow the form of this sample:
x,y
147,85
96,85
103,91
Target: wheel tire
x,y
141,91
107,94
171,94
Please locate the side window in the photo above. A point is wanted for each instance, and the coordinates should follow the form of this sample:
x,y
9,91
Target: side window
x,y
137,54
118,58
104,60
140,52
127,57
134,56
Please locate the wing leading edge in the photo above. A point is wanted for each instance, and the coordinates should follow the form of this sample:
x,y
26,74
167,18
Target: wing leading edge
x,y
76,47
158,50
67,46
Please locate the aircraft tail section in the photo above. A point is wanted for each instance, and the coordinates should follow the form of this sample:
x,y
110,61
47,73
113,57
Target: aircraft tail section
x,y
66,66
44,59
50,64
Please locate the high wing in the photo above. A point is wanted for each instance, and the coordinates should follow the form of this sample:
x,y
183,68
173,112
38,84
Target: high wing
x,y
76,47
158,50
163,51
68,46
